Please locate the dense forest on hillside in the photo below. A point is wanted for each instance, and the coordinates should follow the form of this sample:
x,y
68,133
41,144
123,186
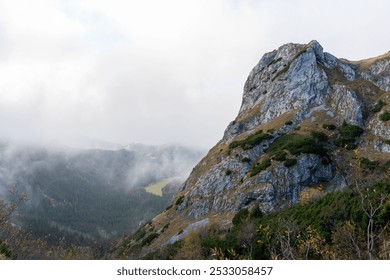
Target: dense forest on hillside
x,y
85,198
59,230
20,243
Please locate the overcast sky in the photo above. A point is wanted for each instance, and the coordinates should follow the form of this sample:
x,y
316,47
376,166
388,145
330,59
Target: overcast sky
x,y
153,71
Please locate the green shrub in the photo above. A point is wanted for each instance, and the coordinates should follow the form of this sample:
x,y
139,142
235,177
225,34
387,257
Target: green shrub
x,y
290,162
240,216
250,141
297,144
329,126
305,145
369,164
281,143
280,156
385,116
350,130
348,135
211,241
147,240
288,123
274,61
378,106
228,172
179,200
284,70
245,159
256,212
320,136
384,214
262,166
5,250
139,234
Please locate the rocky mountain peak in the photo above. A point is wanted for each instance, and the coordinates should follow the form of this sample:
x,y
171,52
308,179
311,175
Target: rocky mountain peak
x,y
306,120
292,79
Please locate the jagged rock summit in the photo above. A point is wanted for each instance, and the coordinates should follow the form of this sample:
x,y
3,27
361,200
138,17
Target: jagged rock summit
x,y
306,116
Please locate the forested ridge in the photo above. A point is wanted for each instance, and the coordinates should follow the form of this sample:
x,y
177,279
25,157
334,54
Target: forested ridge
x,y
82,199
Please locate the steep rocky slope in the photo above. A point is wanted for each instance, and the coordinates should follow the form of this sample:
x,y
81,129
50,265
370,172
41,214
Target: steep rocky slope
x,y
307,123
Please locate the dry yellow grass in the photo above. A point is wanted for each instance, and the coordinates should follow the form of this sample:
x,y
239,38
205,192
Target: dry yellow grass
x,y
310,194
156,188
366,63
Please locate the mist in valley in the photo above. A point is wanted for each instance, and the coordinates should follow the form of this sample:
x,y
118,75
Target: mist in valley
x,y
87,195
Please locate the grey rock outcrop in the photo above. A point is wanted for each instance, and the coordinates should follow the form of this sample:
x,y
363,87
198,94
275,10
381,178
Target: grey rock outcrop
x,y
194,226
345,102
293,79
283,81
379,74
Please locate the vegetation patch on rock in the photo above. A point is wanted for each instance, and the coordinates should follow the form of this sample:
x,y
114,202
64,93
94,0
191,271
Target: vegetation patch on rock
x,y
290,162
348,136
250,141
385,116
297,144
378,106
262,166
329,126
369,164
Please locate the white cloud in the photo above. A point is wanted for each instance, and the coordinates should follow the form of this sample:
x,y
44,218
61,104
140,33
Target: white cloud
x,y
156,71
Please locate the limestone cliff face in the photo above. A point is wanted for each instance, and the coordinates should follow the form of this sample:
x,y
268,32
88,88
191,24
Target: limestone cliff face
x,y
289,85
292,79
286,139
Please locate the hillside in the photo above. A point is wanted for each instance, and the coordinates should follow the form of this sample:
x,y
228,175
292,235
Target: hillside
x,y
89,196
310,125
